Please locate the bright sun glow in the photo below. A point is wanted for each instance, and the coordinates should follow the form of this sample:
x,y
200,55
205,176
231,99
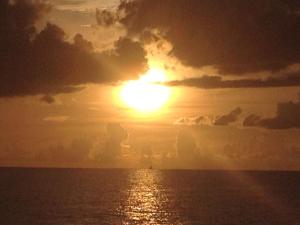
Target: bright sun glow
x,y
145,95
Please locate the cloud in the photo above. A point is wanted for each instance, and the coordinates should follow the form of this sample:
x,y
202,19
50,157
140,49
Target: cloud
x,y
223,120
75,153
287,116
236,37
130,56
81,43
47,99
116,134
33,62
251,120
105,17
186,144
190,121
148,37
212,82
228,118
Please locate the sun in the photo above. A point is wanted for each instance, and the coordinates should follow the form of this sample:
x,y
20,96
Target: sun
x,y
145,94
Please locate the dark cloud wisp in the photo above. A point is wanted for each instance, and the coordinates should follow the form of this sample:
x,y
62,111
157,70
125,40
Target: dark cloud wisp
x,y
212,82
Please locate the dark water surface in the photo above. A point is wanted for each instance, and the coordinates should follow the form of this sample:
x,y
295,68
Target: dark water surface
x,y
94,196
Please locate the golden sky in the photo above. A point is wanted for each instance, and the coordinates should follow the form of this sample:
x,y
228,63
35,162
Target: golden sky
x,y
176,84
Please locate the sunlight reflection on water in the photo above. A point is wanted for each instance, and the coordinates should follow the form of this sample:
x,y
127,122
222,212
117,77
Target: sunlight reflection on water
x,y
146,201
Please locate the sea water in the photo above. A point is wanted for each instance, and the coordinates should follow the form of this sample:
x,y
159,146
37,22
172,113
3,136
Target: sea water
x,y
122,196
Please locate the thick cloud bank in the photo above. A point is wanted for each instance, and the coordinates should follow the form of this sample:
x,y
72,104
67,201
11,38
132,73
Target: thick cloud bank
x,y
234,36
33,62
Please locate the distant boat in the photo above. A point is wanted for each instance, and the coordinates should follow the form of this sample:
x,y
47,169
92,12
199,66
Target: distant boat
x,y
150,167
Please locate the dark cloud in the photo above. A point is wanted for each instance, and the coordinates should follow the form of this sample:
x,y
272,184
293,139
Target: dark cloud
x,y
81,43
105,17
48,99
234,36
211,82
44,62
228,118
251,120
130,56
148,37
199,119
190,121
223,120
287,116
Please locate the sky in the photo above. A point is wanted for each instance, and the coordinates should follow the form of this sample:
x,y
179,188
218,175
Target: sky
x,y
173,84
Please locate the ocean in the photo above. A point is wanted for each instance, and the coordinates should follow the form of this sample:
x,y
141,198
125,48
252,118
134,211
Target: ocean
x,y
124,196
